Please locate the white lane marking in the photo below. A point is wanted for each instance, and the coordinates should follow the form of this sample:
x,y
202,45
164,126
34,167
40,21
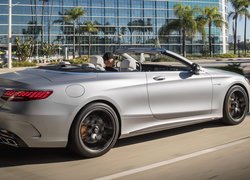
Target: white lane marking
x,y
170,161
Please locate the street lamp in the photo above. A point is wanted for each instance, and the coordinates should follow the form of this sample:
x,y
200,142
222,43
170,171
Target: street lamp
x,y
238,48
213,45
10,34
245,33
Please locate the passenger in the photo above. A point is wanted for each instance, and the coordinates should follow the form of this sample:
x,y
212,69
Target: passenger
x,y
109,62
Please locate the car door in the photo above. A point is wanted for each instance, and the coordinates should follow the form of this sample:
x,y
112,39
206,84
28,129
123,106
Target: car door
x,y
178,94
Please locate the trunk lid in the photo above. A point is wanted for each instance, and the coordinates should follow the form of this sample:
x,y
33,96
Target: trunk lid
x,y
20,80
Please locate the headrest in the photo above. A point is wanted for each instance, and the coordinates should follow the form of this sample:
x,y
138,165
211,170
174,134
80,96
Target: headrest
x,y
97,61
128,65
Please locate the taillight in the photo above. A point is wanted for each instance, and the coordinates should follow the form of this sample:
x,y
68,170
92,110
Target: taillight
x,y
25,95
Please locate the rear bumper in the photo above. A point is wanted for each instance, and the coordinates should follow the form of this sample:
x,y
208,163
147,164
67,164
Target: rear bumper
x,y
20,130
10,139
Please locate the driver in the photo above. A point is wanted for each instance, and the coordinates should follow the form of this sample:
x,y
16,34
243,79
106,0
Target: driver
x,y
109,62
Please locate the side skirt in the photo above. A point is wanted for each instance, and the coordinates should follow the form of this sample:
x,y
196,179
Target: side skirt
x,y
167,126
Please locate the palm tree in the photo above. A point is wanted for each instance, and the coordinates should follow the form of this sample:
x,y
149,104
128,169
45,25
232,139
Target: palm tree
x,y
185,23
245,4
73,15
201,24
238,7
90,28
209,16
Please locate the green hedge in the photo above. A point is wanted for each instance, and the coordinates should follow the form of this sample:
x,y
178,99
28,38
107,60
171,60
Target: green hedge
x,y
79,60
229,55
23,64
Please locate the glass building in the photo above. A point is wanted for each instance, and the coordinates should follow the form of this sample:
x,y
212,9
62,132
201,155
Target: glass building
x,y
125,23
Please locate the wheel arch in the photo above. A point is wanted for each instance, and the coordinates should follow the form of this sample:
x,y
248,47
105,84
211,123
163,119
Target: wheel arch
x,y
99,101
241,85
236,84
227,118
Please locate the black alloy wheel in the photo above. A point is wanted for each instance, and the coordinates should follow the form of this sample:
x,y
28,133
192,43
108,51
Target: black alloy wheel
x,y
235,106
94,131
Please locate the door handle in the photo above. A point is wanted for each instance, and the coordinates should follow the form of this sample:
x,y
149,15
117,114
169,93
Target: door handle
x,y
159,78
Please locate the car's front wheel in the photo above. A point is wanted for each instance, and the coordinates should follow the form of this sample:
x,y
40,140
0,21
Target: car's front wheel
x,y
235,106
94,131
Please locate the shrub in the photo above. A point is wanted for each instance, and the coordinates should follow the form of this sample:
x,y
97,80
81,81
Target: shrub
x,y
229,55
79,60
23,64
48,49
24,49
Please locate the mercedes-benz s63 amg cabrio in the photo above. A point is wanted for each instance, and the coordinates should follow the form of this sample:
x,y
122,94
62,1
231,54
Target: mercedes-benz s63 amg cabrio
x,y
87,108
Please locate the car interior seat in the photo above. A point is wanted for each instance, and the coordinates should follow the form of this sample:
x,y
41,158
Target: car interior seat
x,y
98,62
128,65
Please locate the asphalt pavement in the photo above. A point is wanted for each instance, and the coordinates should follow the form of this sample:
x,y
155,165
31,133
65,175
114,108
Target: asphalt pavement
x,y
204,151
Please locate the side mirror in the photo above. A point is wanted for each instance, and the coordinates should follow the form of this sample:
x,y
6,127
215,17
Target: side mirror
x,y
195,68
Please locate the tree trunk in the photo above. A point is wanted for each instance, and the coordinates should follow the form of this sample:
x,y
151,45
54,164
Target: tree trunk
x,y
210,39
235,33
192,44
89,45
204,44
184,42
74,40
79,41
245,35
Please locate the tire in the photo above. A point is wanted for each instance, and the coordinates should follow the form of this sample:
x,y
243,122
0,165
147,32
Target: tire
x,y
235,106
94,131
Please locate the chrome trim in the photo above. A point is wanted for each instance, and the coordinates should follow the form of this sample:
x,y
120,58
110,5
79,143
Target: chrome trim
x,y
8,141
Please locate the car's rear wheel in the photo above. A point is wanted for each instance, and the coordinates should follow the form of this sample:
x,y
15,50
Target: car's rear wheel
x,y
235,106
94,131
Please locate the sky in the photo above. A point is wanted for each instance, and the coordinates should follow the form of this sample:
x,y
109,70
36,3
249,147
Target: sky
x,y
240,26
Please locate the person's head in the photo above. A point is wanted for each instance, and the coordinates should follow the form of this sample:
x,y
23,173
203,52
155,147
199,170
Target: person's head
x,y
108,58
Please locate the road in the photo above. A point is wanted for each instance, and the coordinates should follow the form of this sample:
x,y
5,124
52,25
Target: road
x,y
204,151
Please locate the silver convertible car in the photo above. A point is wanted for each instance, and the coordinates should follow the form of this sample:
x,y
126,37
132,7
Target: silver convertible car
x,y
87,108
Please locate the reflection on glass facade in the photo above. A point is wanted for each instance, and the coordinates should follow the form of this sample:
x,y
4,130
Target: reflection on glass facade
x,y
124,23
